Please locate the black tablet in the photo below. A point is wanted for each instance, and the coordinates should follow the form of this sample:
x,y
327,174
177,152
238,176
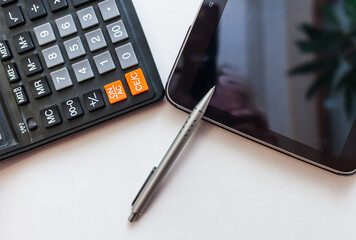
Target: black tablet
x,y
284,71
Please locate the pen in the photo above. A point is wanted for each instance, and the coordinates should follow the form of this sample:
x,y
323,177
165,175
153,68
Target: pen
x,y
159,173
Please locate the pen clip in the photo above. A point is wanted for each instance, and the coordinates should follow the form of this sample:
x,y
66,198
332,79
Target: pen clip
x,y
144,185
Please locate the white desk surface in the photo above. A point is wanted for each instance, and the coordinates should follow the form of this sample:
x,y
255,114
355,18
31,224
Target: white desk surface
x,y
222,187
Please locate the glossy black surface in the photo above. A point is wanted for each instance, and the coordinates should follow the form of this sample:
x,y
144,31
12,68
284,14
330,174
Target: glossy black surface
x,y
283,72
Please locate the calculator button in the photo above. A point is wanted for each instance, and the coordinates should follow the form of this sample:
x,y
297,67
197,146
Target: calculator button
x,y
109,10
14,16
137,82
127,56
87,18
57,5
117,31
35,9
72,108
104,62
40,88
20,95
4,3
94,100
12,73
74,48
50,117
23,42
77,3
44,34
53,56
95,40
66,26
32,124
115,92
5,52
83,71
31,65
61,79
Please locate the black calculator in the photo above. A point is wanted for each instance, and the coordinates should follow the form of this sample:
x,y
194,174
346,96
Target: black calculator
x,y
68,65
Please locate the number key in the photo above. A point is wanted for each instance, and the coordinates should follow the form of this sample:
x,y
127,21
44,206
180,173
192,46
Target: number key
x,y
127,56
53,56
104,62
74,48
61,79
44,34
95,40
87,17
117,31
72,108
66,26
83,70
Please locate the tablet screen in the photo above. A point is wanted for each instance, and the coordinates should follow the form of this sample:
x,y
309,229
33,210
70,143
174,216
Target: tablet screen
x,y
285,71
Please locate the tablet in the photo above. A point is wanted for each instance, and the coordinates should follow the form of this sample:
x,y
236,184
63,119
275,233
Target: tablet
x,y
284,74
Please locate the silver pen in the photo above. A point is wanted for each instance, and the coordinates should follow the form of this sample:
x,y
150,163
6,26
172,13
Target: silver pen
x,y
159,173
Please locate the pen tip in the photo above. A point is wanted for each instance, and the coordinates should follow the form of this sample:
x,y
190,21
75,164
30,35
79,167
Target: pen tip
x,y
133,217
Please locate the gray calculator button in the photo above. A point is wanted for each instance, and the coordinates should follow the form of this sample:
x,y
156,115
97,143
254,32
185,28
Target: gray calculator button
x,y
66,25
87,17
127,56
83,71
109,9
104,62
61,79
96,40
74,48
117,31
53,56
44,34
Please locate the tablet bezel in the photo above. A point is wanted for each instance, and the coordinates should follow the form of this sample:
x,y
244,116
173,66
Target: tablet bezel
x,y
343,165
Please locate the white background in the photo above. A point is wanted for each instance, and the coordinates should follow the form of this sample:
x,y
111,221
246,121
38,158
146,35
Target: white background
x,y
222,187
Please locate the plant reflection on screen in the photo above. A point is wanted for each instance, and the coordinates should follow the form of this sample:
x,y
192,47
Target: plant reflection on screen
x,y
334,45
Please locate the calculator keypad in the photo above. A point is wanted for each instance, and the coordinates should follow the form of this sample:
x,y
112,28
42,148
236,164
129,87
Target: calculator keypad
x,y
72,63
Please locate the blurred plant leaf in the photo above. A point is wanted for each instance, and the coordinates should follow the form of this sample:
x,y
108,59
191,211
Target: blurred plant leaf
x,y
312,66
350,11
331,45
349,99
324,80
331,17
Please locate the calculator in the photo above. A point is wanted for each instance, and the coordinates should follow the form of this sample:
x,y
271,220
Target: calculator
x,y
68,65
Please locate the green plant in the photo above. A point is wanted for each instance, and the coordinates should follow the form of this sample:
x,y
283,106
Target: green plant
x,y
333,45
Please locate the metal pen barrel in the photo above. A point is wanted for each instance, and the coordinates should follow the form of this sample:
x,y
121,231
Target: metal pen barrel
x,y
156,178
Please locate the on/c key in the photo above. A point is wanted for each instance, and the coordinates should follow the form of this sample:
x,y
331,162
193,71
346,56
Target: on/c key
x,y
137,82
115,92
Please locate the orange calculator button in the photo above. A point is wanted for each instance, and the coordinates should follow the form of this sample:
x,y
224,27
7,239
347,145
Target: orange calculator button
x,y
137,82
115,92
